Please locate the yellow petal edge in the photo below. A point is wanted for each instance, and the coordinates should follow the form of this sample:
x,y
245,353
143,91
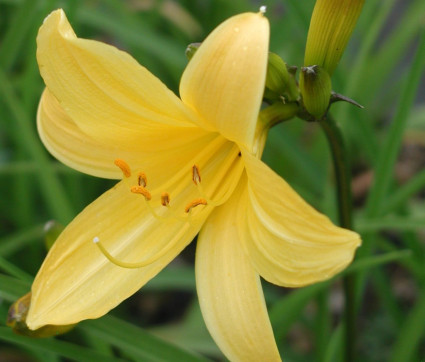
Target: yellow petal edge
x,y
229,289
224,81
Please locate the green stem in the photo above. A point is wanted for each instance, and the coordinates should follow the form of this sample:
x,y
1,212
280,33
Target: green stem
x,y
343,183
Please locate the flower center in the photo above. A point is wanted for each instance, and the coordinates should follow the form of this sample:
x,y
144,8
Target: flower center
x,y
184,215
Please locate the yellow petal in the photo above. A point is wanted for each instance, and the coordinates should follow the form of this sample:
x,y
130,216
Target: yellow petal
x,y
77,282
229,290
104,90
68,143
289,242
224,81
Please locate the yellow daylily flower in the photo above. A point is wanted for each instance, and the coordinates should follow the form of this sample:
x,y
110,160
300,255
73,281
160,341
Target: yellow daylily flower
x,y
190,165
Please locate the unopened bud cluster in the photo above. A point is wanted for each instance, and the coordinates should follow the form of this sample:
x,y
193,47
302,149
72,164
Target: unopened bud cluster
x,y
331,25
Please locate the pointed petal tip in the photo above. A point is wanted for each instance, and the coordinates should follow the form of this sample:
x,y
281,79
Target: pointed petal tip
x,y
58,13
229,289
225,78
54,17
290,243
34,324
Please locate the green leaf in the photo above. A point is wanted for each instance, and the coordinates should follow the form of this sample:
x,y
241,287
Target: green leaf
x,y
391,223
19,240
378,260
53,191
62,348
402,193
17,32
286,311
391,147
136,341
410,333
14,270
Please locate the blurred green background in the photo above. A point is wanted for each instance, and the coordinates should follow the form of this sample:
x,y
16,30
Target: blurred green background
x,y
383,69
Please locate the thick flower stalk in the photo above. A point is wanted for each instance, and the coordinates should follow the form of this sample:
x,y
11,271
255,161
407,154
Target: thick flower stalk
x,y
189,165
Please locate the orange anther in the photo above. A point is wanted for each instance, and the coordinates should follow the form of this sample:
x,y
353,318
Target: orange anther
x,y
142,179
165,199
194,203
196,174
125,168
142,191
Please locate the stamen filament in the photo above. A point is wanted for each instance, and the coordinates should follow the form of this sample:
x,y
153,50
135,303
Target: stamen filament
x,y
211,148
136,265
194,203
207,199
196,178
160,217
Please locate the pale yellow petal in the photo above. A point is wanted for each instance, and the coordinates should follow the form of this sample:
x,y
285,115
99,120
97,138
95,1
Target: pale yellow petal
x,y
229,289
69,144
77,282
224,81
104,90
289,242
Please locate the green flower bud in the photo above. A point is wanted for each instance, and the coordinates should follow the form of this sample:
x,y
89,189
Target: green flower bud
x,y
316,88
278,112
52,230
278,78
16,319
191,50
331,26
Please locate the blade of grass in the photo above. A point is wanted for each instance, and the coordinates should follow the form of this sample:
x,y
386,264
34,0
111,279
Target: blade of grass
x,y
181,278
410,263
137,341
378,260
334,348
61,348
363,128
410,333
287,310
395,45
18,240
322,324
401,194
53,192
13,270
382,285
11,288
301,13
389,151
29,167
117,332
407,223
281,145
17,32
